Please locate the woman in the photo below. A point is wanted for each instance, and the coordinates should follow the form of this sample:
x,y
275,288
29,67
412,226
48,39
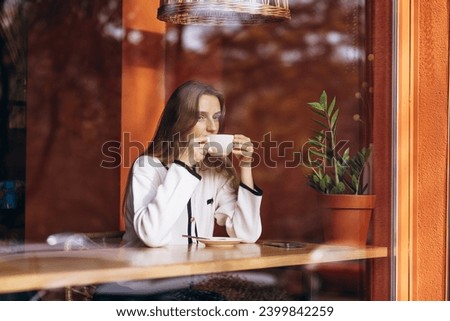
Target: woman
x,y
175,187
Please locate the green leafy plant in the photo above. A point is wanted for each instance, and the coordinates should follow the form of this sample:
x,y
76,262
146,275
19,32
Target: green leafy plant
x,y
332,173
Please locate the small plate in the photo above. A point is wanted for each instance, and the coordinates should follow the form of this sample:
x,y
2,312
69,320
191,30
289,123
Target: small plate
x,y
220,241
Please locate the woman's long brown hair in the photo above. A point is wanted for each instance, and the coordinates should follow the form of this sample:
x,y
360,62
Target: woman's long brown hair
x,y
177,119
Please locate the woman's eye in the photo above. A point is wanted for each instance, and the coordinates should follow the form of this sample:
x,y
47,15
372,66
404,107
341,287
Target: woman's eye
x,y
201,117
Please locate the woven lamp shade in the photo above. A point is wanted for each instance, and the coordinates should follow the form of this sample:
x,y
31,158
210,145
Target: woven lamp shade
x,y
223,12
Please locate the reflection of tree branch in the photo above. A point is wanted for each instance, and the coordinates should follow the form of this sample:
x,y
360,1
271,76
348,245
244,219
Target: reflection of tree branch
x,y
258,57
4,114
10,28
69,43
8,53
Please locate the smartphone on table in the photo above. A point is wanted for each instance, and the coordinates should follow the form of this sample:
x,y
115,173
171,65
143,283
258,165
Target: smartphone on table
x,y
285,244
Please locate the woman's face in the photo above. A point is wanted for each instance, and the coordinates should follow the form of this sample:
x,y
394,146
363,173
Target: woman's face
x,y
209,115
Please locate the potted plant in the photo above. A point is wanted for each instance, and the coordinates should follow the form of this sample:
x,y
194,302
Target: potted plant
x,y
339,179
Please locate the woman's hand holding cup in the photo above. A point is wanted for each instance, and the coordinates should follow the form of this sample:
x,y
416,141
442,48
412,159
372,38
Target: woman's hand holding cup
x,y
243,150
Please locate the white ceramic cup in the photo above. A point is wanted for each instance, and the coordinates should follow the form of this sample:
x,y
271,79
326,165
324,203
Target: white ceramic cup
x,y
220,145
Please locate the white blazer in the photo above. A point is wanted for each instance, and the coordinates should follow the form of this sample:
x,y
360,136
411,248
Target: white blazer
x,y
157,205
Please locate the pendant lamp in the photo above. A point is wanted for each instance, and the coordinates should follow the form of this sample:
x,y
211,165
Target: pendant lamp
x,y
223,12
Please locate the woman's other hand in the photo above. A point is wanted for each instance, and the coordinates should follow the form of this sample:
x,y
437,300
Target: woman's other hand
x,y
243,150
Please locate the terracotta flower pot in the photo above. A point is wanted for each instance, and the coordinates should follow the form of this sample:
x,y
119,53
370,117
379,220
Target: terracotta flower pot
x,y
346,218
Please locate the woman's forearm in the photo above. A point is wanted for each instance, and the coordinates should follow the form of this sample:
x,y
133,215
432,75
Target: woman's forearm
x,y
247,176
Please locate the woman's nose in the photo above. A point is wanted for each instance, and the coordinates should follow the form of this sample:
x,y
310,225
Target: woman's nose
x,y
212,125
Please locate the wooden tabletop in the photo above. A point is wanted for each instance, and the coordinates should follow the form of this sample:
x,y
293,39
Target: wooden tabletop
x,y
53,269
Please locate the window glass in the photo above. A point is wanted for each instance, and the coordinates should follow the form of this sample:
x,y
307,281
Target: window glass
x,y
62,69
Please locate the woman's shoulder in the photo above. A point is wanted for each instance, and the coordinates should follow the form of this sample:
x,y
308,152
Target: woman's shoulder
x,y
148,162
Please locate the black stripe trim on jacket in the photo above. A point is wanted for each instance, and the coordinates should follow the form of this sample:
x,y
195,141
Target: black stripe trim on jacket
x,y
189,226
190,170
256,191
